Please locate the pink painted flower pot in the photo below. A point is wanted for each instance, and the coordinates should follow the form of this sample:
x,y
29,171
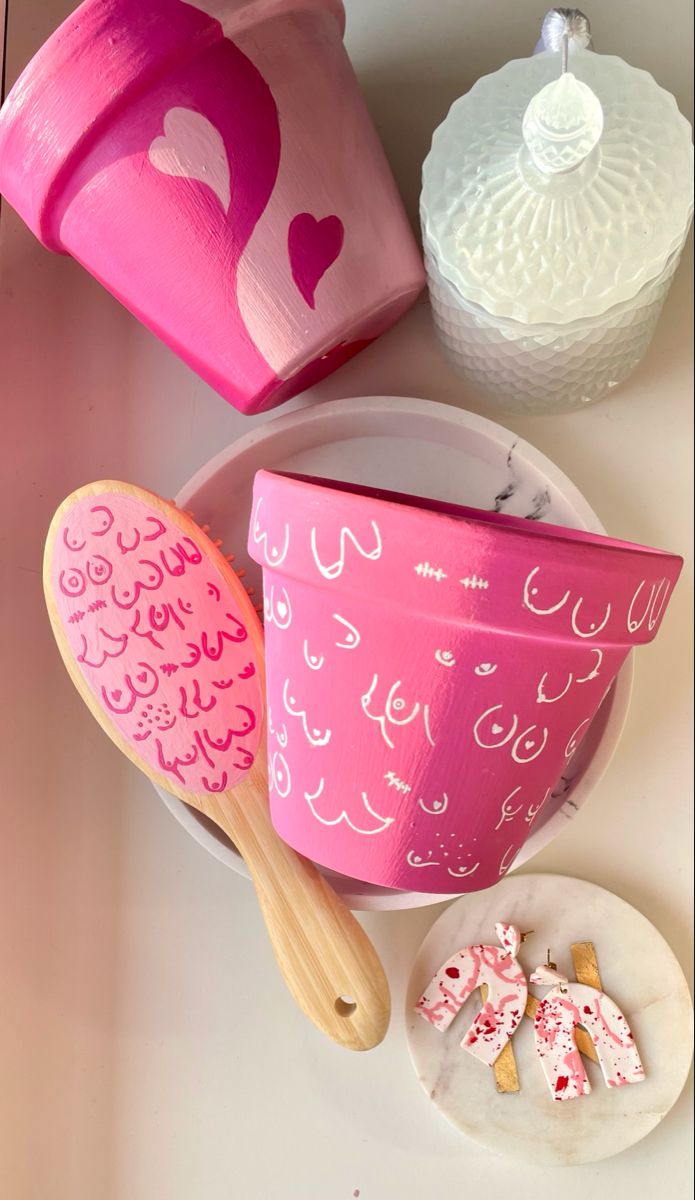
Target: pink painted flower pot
x,y
430,672
213,164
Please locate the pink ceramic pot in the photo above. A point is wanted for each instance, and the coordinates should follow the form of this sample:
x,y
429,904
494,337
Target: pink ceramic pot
x,y
213,164
430,672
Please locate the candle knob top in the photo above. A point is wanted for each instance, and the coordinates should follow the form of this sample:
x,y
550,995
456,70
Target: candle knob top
x,y
562,125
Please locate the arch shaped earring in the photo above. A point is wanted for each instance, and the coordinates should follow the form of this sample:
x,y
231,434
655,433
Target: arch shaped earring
x,y
567,1006
493,967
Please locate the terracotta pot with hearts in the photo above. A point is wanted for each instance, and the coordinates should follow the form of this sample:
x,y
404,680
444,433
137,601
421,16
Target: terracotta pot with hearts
x,y
213,164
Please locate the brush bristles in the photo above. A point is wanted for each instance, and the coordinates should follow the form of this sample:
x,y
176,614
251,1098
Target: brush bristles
x,y
230,558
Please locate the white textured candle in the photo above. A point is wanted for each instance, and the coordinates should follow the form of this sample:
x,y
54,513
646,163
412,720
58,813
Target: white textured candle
x,y
554,209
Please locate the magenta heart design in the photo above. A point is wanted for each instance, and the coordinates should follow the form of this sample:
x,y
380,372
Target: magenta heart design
x,y
313,247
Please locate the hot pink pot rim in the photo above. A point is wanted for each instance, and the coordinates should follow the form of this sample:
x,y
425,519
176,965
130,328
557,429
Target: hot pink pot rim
x,y
50,147
583,553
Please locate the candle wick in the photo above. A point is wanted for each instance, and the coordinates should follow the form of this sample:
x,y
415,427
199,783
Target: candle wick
x,y
565,51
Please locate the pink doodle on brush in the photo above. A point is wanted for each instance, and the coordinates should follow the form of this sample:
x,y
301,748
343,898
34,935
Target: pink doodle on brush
x,y
158,641
566,1007
504,1006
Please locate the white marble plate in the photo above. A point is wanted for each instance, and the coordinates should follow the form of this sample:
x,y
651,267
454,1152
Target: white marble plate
x,y
638,970
420,447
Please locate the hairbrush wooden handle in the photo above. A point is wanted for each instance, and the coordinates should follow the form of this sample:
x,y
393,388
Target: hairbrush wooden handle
x,y
328,962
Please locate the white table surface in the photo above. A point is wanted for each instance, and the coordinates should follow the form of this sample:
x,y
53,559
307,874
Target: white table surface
x,y
148,1050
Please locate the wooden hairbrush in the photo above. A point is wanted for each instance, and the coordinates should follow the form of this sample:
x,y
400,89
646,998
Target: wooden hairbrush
x,y
165,647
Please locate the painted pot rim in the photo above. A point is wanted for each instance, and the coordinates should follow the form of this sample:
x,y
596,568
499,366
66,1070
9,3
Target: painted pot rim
x,y
584,556
34,170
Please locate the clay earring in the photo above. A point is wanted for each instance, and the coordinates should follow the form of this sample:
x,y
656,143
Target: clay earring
x,y
560,1012
488,967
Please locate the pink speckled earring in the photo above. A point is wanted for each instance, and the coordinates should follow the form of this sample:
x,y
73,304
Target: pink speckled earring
x,y
562,1010
475,967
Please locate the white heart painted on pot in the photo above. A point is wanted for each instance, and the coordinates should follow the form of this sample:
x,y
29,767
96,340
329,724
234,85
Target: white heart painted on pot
x,y
281,608
192,148
528,743
497,729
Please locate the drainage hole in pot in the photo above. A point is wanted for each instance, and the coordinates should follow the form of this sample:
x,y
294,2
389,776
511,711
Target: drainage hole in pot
x,y
345,1006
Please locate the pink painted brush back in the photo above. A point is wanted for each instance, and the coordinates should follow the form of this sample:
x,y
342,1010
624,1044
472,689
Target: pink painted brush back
x,y
214,166
430,673
161,643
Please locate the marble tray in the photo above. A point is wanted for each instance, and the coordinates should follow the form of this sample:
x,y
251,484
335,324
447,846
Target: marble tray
x,y
420,447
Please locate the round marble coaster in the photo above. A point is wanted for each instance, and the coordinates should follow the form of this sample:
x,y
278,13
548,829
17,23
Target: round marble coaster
x,y
638,971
